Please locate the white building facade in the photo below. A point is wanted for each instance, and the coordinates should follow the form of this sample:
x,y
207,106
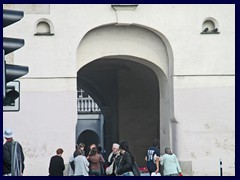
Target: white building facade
x,y
191,78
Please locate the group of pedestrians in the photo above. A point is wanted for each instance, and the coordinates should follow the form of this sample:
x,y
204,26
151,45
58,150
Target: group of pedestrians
x,y
79,164
120,161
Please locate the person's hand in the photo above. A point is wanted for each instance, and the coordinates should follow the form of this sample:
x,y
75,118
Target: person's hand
x,y
157,170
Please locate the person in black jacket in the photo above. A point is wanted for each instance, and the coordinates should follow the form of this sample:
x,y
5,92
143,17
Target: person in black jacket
x,y
13,157
125,162
57,166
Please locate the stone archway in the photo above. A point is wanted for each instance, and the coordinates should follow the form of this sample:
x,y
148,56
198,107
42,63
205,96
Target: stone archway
x,y
138,45
88,137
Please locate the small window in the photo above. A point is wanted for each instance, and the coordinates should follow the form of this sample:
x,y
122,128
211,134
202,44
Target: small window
x,y
210,26
44,27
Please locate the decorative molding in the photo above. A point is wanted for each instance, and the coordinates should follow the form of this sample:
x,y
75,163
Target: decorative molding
x,y
124,13
49,29
126,7
210,26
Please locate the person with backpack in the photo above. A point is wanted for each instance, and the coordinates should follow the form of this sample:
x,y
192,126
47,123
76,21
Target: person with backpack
x,y
13,157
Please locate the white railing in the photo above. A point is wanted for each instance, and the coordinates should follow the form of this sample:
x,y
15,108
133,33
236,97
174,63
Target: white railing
x,y
86,104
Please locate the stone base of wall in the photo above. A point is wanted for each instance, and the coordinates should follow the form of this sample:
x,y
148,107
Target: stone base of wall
x,y
186,167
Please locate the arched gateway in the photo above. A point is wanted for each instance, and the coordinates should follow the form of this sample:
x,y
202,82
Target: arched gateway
x,y
128,72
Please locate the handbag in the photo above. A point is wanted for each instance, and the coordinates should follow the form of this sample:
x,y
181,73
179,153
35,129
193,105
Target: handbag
x,y
109,169
101,164
135,169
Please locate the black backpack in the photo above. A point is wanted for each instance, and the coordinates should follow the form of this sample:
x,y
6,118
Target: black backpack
x,y
72,165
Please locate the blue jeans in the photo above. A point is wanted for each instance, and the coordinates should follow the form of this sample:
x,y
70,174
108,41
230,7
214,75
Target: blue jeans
x,y
130,173
95,173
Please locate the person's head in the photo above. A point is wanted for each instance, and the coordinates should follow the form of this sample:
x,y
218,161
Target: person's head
x,y
93,151
156,143
8,134
93,146
123,147
79,152
115,148
168,151
59,151
82,146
